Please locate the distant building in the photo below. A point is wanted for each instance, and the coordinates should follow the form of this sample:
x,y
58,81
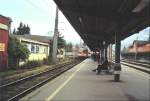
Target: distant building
x,y
139,50
139,46
38,45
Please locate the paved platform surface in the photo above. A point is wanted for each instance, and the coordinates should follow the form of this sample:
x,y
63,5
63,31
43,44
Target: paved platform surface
x,y
81,84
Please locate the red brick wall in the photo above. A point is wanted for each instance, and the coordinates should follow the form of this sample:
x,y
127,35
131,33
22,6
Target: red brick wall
x,y
4,41
144,48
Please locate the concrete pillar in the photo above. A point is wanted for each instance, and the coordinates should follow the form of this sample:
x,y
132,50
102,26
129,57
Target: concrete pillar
x,y
102,55
105,53
94,55
117,58
110,52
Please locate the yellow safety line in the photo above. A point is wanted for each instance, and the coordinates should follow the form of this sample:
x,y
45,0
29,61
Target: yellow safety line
x,y
61,86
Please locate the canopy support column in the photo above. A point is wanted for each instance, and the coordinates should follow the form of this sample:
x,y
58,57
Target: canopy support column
x,y
102,55
117,58
105,52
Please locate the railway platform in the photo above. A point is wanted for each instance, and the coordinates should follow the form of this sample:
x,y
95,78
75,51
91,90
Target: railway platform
x,y
81,84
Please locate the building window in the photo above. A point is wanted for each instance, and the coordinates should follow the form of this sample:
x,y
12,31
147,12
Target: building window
x,y
37,49
32,48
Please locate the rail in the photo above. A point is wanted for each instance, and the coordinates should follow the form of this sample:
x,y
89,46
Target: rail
x,y
142,66
19,88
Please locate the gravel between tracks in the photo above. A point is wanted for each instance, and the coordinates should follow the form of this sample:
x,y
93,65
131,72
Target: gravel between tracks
x,y
12,90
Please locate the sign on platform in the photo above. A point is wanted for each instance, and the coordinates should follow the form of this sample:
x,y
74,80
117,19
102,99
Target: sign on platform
x,y
2,47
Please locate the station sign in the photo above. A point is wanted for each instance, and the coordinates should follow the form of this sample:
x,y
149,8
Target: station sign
x,y
2,47
3,26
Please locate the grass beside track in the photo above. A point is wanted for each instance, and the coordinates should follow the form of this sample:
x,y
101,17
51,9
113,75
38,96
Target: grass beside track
x,y
14,90
12,74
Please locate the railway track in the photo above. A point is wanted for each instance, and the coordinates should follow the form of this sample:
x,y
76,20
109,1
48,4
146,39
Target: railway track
x,y
137,61
145,67
13,81
142,66
14,90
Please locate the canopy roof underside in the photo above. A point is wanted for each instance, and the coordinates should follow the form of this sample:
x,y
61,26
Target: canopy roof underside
x,y
98,20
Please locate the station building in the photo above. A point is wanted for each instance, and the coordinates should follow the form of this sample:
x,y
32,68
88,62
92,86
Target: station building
x,y
139,46
38,45
138,50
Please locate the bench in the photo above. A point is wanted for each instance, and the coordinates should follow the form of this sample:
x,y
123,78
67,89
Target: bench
x,y
105,67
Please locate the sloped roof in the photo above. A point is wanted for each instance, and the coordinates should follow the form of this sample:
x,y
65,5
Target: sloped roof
x,y
6,17
140,42
39,38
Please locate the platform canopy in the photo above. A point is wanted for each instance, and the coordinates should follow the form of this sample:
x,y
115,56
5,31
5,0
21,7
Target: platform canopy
x,y
97,21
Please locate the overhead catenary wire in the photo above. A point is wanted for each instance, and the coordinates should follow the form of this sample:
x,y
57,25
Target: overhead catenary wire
x,y
39,9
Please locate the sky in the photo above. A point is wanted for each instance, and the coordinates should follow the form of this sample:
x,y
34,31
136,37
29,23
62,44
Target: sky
x,y
142,35
40,16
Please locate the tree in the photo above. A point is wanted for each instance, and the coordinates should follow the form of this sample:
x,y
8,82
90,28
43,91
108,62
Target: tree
x,y
22,29
69,47
14,31
77,47
61,41
27,29
16,52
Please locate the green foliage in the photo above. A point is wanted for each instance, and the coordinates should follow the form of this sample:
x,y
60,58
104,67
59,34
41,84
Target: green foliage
x,y
26,29
61,41
68,47
14,31
36,63
46,61
17,52
22,29
32,64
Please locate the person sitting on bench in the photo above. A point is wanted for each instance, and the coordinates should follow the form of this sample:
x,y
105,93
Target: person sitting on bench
x,y
100,67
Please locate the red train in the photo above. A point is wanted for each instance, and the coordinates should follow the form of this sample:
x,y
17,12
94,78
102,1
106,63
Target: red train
x,y
83,53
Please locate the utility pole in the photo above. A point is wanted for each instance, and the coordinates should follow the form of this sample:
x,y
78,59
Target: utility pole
x,y
136,50
149,41
55,37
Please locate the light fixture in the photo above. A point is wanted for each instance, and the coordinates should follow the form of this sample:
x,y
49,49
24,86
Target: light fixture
x,y
141,6
80,19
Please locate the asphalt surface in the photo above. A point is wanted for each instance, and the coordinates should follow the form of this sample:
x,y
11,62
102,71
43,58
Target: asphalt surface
x,y
81,83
